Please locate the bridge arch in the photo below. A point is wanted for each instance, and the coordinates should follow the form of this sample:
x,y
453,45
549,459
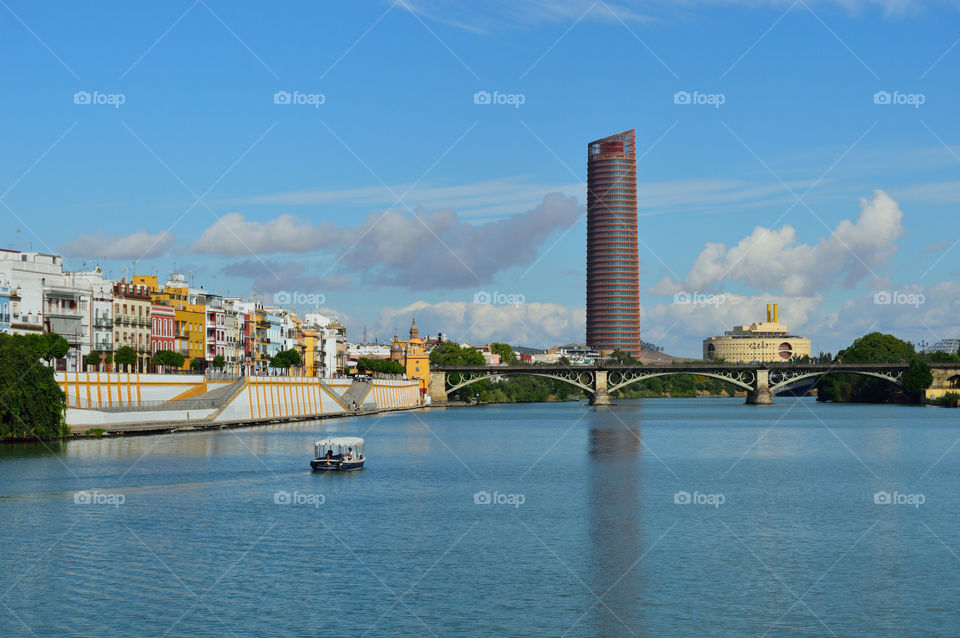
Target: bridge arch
x,y
743,380
782,379
582,380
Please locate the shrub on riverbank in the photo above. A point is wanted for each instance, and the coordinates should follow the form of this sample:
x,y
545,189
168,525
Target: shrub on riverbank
x,y
949,400
31,402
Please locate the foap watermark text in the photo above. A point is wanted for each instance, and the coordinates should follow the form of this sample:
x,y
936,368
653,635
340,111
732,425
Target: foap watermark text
x,y
97,497
298,298
699,99
896,498
497,298
282,497
699,498
298,98
699,298
897,298
484,497
501,99
916,100
100,99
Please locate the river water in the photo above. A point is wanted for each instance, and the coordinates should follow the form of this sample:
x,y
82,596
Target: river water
x,y
680,517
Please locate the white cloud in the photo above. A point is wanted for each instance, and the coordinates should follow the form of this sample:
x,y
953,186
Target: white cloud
x,y
911,312
496,15
491,198
681,327
428,250
233,234
491,15
539,325
774,259
506,196
138,245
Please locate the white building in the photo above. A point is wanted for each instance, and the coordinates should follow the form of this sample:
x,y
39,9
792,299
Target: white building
x,y
45,299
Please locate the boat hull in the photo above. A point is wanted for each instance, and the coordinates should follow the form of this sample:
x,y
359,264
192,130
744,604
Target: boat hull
x,y
322,465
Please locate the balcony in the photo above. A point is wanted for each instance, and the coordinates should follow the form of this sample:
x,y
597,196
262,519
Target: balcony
x,y
54,311
28,321
103,322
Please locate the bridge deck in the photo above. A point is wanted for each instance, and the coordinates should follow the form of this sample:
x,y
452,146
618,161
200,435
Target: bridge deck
x,y
694,368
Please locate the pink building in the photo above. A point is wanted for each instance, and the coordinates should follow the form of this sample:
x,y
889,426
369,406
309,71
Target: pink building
x,y
162,333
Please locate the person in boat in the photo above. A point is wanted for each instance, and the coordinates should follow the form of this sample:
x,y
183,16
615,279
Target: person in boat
x,y
329,456
349,454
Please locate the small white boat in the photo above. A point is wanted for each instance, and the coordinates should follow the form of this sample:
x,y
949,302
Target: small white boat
x,y
338,454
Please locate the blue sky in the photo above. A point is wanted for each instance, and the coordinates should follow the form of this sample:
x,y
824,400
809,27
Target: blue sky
x,y
399,195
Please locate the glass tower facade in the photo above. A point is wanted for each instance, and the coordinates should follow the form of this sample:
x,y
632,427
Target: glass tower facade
x,y
613,282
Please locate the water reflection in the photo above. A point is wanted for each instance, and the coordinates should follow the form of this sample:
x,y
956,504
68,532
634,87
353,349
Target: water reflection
x,y
616,531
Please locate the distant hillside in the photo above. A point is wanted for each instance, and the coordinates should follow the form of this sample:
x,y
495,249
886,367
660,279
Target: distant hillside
x,y
654,356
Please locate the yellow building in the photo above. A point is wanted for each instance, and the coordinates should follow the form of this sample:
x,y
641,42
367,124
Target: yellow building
x,y
768,341
412,355
310,352
190,318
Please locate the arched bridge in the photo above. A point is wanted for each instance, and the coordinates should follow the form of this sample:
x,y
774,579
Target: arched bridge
x,y
761,381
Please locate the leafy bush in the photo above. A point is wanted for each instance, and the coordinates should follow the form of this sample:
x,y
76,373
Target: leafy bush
x,y
31,402
92,359
366,366
168,358
949,400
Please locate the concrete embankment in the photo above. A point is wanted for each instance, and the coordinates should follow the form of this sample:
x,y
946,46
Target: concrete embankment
x,y
163,427
122,403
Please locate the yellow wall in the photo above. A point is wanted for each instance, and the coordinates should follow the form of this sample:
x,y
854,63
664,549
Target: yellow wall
x,y
192,316
310,352
416,362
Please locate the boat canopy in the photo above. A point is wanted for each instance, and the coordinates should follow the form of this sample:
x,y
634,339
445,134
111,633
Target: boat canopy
x,y
342,441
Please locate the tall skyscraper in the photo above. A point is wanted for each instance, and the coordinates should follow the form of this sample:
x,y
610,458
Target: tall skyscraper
x,y
613,281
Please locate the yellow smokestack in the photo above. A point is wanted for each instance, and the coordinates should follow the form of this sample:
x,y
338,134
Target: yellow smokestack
x,y
768,313
775,319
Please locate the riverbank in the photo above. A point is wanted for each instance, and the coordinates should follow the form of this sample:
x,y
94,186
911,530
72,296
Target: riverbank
x,y
167,427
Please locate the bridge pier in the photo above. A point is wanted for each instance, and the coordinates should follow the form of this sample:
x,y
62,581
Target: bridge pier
x,y
438,387
600,395
760,395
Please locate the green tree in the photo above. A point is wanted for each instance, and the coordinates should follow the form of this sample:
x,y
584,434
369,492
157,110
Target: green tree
x,y
620,357
450,353
506,352
47,346
285,359
917,378
196,364
92,359
55,346
367,366
219,362
872,348
125,356
32,405
877,347
167,359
